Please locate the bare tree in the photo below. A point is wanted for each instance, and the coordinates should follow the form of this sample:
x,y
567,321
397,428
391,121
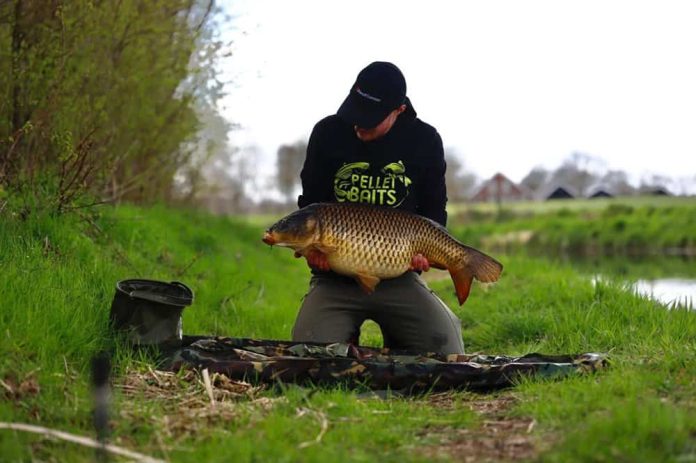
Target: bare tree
x,y
230,180
578,172
535,179
686,185
289,161
654,182
460,183
617,182
209,157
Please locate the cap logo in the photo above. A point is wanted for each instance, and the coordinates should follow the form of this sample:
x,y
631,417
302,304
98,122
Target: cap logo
x,y
367,95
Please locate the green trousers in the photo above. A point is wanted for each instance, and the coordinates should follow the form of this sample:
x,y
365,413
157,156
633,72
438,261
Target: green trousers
x,y
409,313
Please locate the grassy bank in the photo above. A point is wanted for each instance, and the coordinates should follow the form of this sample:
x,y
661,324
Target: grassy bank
x,y
635,226
57,281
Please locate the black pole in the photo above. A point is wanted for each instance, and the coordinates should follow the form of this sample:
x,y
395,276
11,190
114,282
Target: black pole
x,y
101,370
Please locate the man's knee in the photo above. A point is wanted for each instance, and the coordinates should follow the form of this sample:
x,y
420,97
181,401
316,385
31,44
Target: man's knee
x,y
323,318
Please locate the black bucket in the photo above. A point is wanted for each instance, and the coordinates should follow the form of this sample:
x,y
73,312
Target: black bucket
x,y
150,311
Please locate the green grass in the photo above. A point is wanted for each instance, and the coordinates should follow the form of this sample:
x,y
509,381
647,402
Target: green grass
x,y
554,205
633,226
57,277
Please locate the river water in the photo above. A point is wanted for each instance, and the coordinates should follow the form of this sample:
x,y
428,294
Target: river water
x,y
669,280
670,291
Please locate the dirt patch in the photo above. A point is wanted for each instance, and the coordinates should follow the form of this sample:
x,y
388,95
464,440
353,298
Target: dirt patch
x,y
442,400
493,407
187,385
16,389
498,438
187,404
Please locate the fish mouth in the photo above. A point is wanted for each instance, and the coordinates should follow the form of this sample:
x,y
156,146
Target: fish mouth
x,y
268,238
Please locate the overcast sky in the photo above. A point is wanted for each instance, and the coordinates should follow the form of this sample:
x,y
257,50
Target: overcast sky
x,y
508,84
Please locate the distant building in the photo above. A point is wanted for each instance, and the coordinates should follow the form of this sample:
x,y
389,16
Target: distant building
x,y
601,193
499,188
656,191
560,193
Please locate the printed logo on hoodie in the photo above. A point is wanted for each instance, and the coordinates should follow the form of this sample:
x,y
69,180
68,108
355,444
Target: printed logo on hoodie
x,y
356,182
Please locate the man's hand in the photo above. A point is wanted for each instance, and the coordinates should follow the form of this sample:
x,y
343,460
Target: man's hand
x,y
316,260
419,263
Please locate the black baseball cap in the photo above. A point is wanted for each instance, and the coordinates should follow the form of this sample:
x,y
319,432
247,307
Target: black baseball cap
x,y
379,89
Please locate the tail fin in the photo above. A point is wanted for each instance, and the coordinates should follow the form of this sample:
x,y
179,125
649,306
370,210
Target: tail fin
x,y
483,267
478,265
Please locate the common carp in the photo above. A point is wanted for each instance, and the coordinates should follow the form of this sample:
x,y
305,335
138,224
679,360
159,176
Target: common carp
x,y
372,243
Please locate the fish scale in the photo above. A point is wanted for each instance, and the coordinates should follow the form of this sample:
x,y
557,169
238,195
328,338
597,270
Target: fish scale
x,y
373,243
374,247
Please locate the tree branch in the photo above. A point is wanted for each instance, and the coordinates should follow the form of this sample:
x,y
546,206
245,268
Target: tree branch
x,y
86,441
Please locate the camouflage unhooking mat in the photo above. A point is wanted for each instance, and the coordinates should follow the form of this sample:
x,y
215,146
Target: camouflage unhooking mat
x,y
148,312
329,364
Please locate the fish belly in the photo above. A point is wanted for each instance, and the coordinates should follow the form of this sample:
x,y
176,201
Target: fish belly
x,y
381,259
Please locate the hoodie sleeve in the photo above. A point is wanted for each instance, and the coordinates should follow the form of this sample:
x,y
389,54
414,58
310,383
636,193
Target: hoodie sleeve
x,y
432,199
314,173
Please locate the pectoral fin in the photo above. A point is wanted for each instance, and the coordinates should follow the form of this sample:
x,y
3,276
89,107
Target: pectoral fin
x,y
462,279
438,265
326,249
367,282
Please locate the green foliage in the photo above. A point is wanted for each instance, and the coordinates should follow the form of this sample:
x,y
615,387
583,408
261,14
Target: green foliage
x,y
98,97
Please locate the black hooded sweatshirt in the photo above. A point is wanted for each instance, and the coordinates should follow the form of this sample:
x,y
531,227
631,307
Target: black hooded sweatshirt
x,y
404,169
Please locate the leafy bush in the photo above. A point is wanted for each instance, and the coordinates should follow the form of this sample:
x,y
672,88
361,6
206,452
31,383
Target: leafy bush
x,y
98,97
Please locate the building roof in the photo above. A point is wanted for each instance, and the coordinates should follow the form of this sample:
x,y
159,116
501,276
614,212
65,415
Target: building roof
x,y
500,186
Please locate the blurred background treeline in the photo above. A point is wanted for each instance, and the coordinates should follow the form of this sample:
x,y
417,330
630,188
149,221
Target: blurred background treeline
x,y
118,100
